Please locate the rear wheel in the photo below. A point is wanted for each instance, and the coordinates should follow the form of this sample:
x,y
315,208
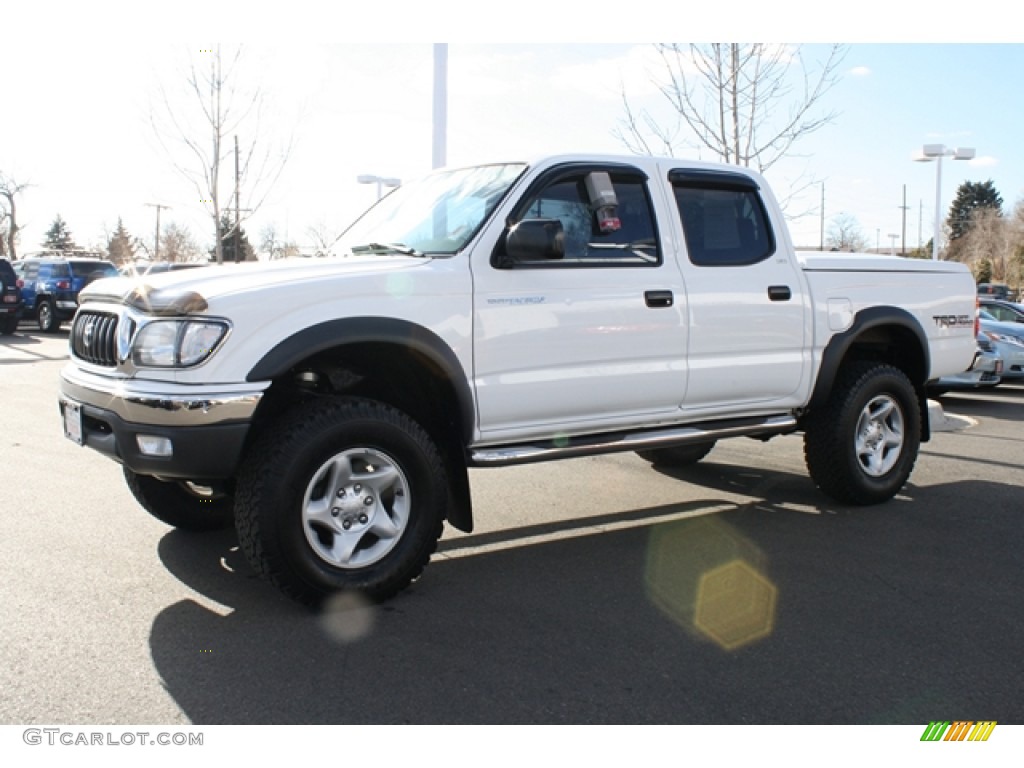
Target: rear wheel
x,y
677,455
343,494
10,325
861,447
180,504
46,316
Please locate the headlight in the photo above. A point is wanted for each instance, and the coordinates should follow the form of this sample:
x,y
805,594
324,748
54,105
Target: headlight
x,y
176,343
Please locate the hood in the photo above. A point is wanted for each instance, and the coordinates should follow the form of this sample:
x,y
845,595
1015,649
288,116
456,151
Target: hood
x,y
826,261
190,291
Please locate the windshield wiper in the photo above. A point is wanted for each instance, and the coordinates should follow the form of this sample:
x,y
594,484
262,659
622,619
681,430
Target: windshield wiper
x,y
401,248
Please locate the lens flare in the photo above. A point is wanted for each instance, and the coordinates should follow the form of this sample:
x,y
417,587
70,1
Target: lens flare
x,y
347,617
707,578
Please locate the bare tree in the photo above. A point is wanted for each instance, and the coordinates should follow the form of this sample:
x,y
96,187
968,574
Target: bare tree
x,y
9,191
276,247
177,244
200,131
844,234
993,239
324,237
748,104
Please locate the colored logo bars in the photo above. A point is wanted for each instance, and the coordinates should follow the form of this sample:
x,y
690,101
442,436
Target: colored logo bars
x,y
960,730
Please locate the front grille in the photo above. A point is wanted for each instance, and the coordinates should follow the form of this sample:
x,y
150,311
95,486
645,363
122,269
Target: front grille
x,y
94,338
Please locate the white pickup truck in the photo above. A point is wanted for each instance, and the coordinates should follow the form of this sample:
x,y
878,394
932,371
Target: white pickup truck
x,y
501,314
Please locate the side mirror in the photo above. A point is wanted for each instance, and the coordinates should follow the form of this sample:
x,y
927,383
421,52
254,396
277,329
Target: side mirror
x,y
535,239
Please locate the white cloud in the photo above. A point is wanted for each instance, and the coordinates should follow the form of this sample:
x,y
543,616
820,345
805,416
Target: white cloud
x,y
985,161
860,71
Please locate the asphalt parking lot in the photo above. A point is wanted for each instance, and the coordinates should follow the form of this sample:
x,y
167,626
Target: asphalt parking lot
x,y
595,590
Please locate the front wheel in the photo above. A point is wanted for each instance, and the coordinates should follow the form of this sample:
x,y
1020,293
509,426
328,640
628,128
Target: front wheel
x,y
861,447
341,494
180,504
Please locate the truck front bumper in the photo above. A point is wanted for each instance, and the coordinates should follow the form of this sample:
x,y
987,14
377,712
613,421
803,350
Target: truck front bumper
x,y
159,428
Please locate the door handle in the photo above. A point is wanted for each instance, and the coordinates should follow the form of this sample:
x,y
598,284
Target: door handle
x,y
779,293
659,299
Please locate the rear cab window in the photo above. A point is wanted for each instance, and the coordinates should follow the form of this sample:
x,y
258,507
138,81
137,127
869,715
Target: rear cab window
x,y
57,269
724,220
89,268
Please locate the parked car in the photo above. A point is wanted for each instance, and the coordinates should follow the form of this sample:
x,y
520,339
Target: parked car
x,y
994,290
985,371
11,301
50,286
1008,339
1003,311
155,267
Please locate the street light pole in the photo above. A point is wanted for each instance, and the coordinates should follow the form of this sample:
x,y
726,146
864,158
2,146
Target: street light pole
x,y
439,154
936,152
380,181
938,208
156,239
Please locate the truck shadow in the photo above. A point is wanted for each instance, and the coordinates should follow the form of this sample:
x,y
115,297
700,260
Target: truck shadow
x,y
753,613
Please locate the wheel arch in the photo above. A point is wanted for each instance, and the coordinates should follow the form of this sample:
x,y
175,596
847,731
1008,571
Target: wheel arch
x,y
393,361
887,334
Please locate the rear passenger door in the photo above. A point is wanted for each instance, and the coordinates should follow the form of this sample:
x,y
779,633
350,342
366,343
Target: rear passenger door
x,y
747,313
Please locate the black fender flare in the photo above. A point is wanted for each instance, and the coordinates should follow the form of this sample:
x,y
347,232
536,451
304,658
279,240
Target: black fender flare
x,y
838,347
357,330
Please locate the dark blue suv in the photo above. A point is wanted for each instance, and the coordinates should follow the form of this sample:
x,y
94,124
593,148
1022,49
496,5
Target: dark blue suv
x,y
11,302
50,286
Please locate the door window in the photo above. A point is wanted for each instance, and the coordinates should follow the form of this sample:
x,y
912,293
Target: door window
x,y
724,222
586,243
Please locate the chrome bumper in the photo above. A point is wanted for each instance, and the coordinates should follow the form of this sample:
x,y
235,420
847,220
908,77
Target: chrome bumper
x,y
161,403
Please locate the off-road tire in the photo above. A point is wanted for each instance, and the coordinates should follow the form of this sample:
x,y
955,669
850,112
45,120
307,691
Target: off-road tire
x,y
320,467
677,455
861,447
183,506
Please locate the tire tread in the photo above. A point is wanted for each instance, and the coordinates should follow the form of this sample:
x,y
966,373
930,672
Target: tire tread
x,y
255,484
826,455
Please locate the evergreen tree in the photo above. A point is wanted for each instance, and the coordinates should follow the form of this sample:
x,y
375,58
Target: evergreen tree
x,y
234,243
970,197
120,248
58,237
982,269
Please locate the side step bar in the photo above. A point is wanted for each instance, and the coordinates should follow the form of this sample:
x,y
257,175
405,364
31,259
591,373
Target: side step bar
x,y
590,445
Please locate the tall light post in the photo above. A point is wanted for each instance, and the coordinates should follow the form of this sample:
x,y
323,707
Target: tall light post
x,y
936,152
439,148
380,181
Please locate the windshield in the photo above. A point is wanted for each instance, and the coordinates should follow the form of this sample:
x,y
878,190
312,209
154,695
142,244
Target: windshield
x,y
437,214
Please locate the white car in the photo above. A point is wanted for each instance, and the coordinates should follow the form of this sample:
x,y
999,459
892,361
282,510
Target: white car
x,y
985,371
1008,339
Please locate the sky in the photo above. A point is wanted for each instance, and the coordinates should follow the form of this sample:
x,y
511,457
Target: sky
x,y
351,95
